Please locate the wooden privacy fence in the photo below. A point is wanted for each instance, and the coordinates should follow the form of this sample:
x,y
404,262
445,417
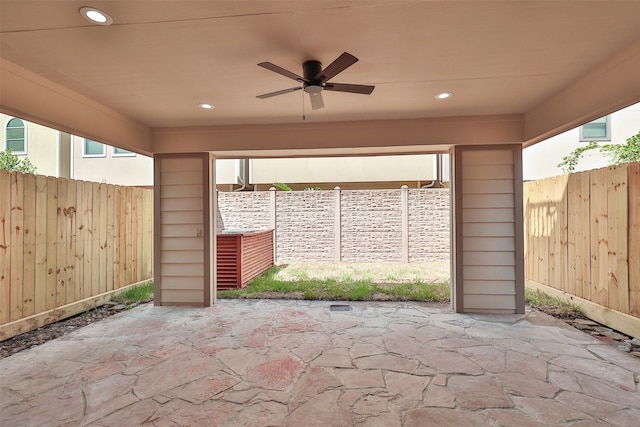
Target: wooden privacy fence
x,y
582,237
65,245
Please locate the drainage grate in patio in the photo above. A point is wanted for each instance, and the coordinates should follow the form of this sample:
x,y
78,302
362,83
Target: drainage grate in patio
x,y
340,307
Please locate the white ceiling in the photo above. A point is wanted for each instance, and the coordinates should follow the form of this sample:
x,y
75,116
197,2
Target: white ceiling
x,y
160,59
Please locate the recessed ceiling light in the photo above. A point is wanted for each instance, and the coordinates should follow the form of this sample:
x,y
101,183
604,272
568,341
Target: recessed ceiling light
x,y
206,106
443,95
96,16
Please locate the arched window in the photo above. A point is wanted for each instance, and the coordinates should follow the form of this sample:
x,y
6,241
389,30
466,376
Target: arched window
x,y
16,137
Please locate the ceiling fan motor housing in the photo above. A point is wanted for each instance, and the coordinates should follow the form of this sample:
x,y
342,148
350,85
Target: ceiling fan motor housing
x,y
311,69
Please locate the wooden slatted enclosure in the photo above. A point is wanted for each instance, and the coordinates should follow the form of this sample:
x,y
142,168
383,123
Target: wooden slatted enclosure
x,y
241,256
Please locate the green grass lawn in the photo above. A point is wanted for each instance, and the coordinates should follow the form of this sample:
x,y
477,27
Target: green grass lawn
x,y
135,294
367,282
351,282
538,299
347,282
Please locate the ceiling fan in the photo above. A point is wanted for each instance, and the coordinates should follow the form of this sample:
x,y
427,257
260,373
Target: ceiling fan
x,y
316,79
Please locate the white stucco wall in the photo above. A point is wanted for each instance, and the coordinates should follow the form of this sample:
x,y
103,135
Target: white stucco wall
x,y
344,169
129,170
541,160
227,171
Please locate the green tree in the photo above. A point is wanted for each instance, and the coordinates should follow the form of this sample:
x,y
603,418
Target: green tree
x,y
12,163
617,153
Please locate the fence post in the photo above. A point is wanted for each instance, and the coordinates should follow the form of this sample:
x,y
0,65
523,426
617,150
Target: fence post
x,y
273,222
404,211
337,222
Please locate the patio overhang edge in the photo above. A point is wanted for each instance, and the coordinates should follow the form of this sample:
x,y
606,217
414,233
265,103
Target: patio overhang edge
x,y
32,97
611,86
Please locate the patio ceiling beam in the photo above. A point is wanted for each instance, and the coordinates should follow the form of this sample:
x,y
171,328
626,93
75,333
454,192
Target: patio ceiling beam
x,y
361,136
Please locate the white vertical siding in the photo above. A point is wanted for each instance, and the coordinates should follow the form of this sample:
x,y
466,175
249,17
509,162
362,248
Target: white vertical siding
x,y
182,228
488,230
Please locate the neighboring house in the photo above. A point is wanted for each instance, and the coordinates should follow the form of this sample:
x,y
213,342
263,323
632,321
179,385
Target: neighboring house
x,y
94,161
541,160
48,149
326,173
59,154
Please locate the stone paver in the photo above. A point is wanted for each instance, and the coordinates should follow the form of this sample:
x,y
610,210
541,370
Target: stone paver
x,y
296,363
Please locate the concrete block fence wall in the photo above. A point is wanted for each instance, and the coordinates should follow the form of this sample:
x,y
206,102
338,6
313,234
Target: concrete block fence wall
x,y
400,225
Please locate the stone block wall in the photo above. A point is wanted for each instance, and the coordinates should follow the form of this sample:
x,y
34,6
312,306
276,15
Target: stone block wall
x,y
245,210
305,226
429,225
350,225
371,226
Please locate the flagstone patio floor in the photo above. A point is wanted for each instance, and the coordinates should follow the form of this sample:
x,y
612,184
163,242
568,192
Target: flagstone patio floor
x,y
298,363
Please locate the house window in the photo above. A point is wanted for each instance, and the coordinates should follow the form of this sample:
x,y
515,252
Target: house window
x,y
16,137
94,149
597,130
121,152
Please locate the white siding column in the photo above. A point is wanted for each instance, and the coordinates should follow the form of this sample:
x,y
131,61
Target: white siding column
x,y
487,271
184,229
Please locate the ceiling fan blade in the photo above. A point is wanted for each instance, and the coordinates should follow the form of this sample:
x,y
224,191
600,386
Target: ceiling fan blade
x,y
281,71
279,92
343,62
344,87
316,100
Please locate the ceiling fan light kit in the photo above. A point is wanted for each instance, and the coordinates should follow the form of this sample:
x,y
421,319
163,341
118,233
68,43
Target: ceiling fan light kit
x,y
314,79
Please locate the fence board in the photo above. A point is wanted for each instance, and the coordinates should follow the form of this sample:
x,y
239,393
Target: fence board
x,y
599,244
95,239
80,229
563,225
87,228
61,245
534,221
578,223
29,283
555,231
41,273
102,237
634,239
544,237
139,231
70,219
109,242
526,191
5,253
17,244
617,238
147,244
129,239
134,234
118,242
52,219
